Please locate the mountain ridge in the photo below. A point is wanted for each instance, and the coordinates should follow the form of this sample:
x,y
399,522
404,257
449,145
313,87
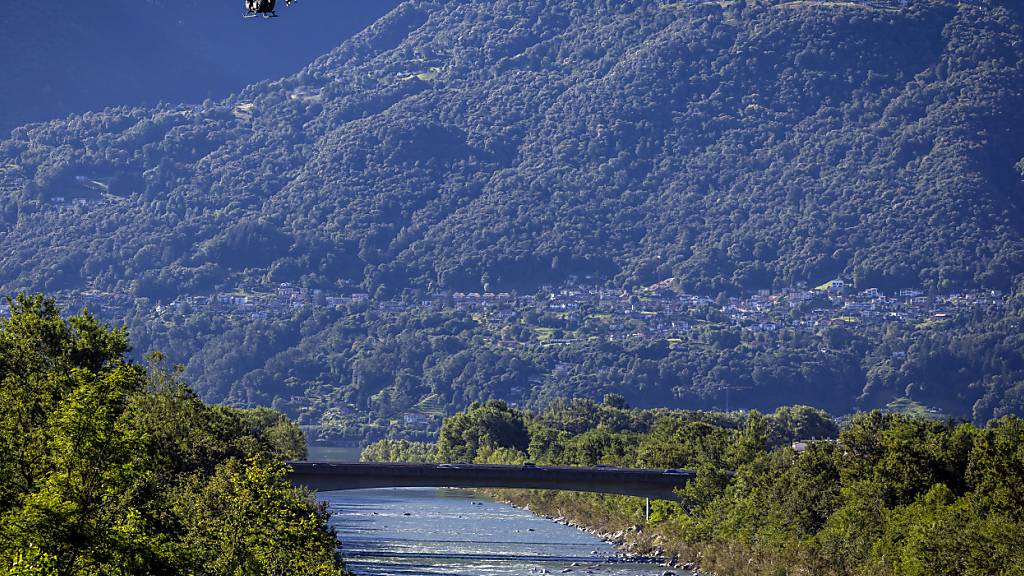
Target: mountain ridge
x,y
423,168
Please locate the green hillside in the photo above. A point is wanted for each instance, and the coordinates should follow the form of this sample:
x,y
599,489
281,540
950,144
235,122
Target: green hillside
x,y
518,142
504,145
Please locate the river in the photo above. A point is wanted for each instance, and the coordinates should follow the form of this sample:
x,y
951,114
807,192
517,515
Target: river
x,y
439,532
428,532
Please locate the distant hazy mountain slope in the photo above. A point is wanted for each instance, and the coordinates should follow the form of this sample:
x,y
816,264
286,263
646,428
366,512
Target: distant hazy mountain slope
x,y
62,57
509,143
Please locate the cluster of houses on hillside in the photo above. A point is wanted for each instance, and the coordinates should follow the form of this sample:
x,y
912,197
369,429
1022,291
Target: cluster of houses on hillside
x,y
558,316
658,313
880,4
803,309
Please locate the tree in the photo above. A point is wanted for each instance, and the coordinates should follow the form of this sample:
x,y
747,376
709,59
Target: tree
x,y
67,458
248,519
110,467
492,425
615,401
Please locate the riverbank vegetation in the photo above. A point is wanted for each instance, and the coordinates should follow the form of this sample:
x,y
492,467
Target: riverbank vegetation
x,y
112,467
882,494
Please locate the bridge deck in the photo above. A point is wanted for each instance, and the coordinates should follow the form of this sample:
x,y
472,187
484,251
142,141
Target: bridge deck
x,y
649,483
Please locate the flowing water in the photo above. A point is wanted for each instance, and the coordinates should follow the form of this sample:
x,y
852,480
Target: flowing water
x,y
428,531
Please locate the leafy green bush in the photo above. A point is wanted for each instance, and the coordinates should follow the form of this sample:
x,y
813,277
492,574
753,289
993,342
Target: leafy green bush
x,y
111,467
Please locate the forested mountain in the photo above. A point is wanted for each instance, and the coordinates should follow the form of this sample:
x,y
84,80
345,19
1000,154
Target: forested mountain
x,y
502,145
733,146
62,57
519,141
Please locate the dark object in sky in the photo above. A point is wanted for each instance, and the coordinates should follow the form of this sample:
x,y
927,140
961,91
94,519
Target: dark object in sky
x,y
265,7
59,60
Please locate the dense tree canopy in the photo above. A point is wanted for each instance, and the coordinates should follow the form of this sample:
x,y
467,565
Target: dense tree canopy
x,y
111,467
885,494
734,146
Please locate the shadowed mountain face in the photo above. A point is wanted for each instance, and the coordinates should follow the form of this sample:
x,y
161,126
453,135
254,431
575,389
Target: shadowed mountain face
x,y
62,57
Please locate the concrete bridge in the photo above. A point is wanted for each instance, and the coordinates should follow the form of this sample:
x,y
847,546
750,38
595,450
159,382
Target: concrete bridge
x,y
646,483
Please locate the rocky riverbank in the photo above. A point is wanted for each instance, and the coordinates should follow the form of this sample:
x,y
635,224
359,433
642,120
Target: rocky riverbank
x,y
635,543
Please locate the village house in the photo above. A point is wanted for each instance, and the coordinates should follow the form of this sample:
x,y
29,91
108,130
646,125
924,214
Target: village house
x,y
415,419
871,293
392,306
504,315
233,300
836,286
858,306
289,292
